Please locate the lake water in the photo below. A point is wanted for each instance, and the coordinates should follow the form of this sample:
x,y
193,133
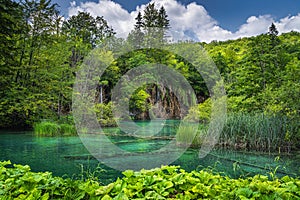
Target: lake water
x,y
68,156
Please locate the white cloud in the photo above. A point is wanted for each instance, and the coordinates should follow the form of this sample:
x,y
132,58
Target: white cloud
x,y
289,23
192,18
117,17
255,25
187,22
73,3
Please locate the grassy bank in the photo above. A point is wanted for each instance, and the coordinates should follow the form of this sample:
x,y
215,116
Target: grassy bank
x,y
167,182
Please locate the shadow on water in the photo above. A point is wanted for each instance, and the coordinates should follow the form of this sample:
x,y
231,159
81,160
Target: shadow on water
x,y
68,156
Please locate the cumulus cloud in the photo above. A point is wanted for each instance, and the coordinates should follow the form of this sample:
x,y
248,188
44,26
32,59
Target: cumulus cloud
x,y
190,21
255,25
120,19
289,23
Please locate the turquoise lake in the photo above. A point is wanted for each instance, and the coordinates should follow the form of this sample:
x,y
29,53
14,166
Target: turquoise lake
x,y
67,156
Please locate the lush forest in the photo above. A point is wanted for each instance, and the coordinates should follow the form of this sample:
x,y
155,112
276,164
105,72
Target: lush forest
x,y
41,53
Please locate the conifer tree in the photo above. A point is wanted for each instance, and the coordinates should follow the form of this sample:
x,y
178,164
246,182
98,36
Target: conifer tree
x,y
163,21
139,21
155,22
150,18
273,30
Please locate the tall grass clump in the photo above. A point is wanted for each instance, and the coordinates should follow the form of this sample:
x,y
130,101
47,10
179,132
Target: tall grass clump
x,y
68,129
48,128
257,131
190,134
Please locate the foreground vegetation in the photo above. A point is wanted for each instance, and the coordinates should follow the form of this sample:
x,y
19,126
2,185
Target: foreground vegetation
x,y
167,182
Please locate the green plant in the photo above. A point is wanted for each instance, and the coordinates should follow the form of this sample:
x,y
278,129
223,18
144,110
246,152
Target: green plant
x,y
256,131
68,129
46,128
167,182
190,134
87,174
200,112
104,114
66,119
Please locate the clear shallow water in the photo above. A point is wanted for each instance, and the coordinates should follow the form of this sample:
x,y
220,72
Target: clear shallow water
x,y
67,156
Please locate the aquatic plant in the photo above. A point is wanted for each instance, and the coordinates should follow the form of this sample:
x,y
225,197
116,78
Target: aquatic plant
x,y
191,134
67,129
87,173
256,131
47,128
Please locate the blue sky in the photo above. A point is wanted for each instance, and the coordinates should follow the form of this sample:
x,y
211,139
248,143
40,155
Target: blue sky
x,y
229,17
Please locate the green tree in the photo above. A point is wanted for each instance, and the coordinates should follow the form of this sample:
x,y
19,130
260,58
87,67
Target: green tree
x,y
85,32
139,21
11,29
136,36
163,22
273,30
155,24
39,82
25,99
39,20
150,17
273,33
87,28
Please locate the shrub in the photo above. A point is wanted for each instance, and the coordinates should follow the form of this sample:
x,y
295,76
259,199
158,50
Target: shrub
x,y
200,112
104,114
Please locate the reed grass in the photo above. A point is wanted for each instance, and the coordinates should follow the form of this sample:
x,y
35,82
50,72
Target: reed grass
x,y
190,134
48,128
257,131
67,129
